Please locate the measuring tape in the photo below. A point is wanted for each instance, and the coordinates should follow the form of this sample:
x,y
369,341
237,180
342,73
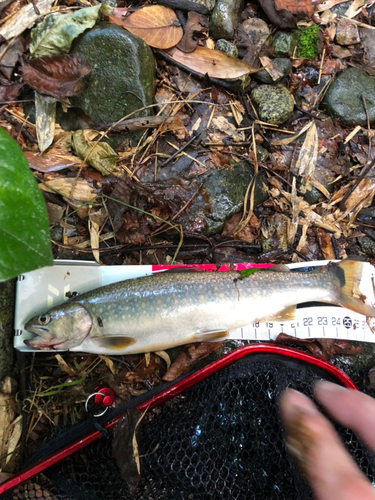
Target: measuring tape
x,y
44,288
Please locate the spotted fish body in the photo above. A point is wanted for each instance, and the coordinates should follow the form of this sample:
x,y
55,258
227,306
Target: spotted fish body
x,y
169,309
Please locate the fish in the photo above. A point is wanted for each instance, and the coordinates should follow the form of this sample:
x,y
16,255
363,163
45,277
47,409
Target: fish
x,y
166,310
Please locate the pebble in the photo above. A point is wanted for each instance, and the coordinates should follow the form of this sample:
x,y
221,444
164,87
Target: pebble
x,y
344,97
224,18
257,30
347,33
283,64
228,48
284,43
275,103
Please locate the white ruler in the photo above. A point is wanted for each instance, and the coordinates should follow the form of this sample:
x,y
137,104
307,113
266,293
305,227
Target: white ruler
x,y
39,290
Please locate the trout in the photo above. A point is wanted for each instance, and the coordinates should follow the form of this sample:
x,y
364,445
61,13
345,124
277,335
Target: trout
x,y
169,309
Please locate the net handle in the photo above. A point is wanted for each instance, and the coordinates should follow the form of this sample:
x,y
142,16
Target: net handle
x,y
173,390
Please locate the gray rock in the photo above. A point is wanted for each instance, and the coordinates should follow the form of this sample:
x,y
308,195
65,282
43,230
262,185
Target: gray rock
x,y
367,245
257,30
7,298
228,48
282,63
221,196
122,75
224,18
368,44
275,103
340,8
344,100
274,233
284,43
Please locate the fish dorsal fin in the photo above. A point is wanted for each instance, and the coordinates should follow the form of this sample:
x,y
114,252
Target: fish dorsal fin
x,y
210,336
287,314
115,342
185,270
279,268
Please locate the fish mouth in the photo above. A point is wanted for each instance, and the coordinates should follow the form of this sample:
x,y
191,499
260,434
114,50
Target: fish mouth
x,y
42,343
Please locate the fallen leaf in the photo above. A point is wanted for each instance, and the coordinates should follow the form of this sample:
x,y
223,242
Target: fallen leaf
x,y
212,62
45,112
11,57
9,92
55,34
25,18
83,191
281,18
109,363
193,29
122,448
185,360
270,67
158,26
301,8
53,161
306,162
164,355
56,76
99,155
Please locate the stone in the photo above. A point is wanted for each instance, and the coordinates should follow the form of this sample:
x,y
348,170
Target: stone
x,y
228,48
347,33
257,30
225,192
275,103
368,45
262,154
283,64
122,75
224,18
344,100
284,43
7,301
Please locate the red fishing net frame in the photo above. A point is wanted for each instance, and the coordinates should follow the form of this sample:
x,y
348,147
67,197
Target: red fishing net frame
x,y
174,390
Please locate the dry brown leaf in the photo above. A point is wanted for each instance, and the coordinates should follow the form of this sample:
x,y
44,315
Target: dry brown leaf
x,y
270,67
212,62
83,190
158,26
164,355
109,363
94,239
52,161
25,18
305,165
297,7
57,76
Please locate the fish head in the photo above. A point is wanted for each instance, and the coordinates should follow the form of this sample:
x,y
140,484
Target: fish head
x,y
62,327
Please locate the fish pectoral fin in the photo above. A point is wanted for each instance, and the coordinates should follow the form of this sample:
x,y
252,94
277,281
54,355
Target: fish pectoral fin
x,y
212,336
279,268
287,314
115,342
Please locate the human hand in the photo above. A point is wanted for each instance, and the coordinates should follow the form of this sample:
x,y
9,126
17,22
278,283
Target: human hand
x,y
331,471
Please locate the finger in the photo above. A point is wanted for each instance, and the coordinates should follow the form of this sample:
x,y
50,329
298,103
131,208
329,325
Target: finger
x,y
312,439
350,408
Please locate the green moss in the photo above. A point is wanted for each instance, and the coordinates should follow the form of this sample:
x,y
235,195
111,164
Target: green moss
x,y
308,42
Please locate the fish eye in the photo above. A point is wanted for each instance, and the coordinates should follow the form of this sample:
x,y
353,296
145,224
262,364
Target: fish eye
x,y
44,319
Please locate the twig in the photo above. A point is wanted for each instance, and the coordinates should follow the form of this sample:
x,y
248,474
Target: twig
x,y
298,253
172,157
362,175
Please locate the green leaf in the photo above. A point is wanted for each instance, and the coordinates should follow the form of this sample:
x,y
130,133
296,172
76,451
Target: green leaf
x,y
24,233
55,34
248,272
101,155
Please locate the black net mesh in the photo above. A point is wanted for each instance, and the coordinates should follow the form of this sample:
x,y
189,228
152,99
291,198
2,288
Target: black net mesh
x,y
222,438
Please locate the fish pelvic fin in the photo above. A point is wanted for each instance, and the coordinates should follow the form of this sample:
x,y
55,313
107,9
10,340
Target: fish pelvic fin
x,y
287,314
349,273
209,336
116,343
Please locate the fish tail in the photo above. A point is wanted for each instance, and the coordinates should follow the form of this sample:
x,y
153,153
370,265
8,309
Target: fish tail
x,y
349,274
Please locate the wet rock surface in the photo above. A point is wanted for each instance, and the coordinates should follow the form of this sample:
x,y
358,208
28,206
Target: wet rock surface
x,y
257,30
347,33
224,18
344,97
122,76
284,43
7,300
283,64
228,48
275,103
